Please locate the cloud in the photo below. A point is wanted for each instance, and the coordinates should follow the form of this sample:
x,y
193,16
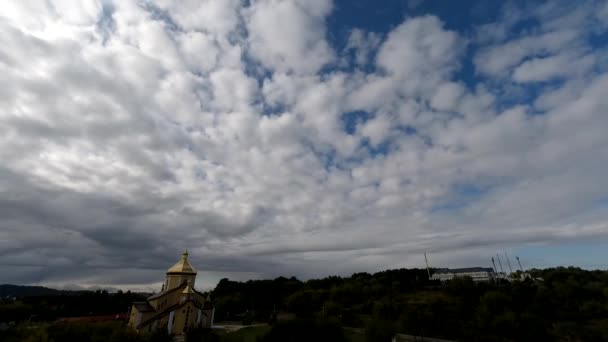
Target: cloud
x,y
130,131
447,96
497,60
549,68
363,44
299,45
561,37
418,45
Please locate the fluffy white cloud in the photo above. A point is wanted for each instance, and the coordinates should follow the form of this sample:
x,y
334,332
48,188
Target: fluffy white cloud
x,y
289,35
558,47
418,46
363,44
447,96
135,130
498,60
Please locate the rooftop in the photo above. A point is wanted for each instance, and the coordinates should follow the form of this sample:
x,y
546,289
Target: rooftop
x,y
182,266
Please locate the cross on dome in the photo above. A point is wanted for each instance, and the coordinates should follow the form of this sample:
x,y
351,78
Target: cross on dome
x,y
183,266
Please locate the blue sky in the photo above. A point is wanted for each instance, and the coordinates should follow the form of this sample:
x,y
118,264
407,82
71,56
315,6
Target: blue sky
x,y
299,137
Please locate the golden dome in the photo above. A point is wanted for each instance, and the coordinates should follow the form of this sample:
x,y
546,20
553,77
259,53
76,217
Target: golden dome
x,y
182,266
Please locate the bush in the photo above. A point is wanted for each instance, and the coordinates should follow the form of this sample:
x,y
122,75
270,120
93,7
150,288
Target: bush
x,y
379,330
305,330
202,335
248,319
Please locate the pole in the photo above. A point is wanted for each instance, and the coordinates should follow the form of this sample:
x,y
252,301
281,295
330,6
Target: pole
x,y
522,270
509,263
494,264
428,272
500,264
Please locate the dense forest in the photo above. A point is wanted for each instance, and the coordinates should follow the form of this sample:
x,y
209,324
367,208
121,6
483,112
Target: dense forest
x,y
558,304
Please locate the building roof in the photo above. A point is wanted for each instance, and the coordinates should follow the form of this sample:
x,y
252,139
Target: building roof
x,y
143,307
166,311
465,270
182,266
188,290
162,293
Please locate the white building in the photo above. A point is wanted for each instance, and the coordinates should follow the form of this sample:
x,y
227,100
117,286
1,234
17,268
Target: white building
x,y
476,273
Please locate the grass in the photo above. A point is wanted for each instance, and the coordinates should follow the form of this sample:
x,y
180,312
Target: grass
x,y
354,336
249,334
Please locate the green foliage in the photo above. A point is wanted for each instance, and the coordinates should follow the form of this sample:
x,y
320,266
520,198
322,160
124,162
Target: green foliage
x,y
249,334
305,330
202,335
247,319
380,330
568,304
81,332
304,303
47,308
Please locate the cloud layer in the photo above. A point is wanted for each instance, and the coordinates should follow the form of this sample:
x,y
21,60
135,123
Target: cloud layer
x,y
132,130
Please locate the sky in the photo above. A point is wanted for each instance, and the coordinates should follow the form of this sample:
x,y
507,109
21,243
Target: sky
x,y
299,137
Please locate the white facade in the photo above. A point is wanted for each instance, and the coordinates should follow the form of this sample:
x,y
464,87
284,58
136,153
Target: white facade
x,y
476,273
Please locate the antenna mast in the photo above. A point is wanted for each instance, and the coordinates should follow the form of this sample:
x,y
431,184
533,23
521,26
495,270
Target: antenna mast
x,y
522,270
509,262
500,264
428,272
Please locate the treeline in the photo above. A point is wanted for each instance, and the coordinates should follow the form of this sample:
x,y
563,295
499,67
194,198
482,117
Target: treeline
x,y
9,290
45,308
561,304
293,331
81,332
558,304
331,295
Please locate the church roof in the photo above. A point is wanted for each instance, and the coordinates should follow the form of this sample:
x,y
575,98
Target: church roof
x,y
162,293
143,307
182,266
188,290
167,311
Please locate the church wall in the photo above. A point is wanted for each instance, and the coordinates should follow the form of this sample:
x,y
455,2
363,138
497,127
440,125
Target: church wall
x,y
208,316
134,317
166,301
175,280
184,317
172,298
146,316
170,322
189,315
212,311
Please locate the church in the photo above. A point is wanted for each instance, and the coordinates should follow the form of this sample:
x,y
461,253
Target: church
x,y
178,307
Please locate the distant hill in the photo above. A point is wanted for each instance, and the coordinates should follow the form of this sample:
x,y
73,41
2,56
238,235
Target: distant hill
x,y
9,290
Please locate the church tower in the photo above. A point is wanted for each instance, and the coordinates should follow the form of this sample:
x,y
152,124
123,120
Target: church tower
x,y
180,273
178,308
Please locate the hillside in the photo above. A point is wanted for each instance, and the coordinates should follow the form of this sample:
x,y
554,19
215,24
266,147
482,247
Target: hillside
x,y
9,290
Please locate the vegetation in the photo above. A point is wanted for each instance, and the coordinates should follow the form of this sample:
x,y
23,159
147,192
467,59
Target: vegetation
x,y
305,331
50,307
560,304
81,332
568,304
